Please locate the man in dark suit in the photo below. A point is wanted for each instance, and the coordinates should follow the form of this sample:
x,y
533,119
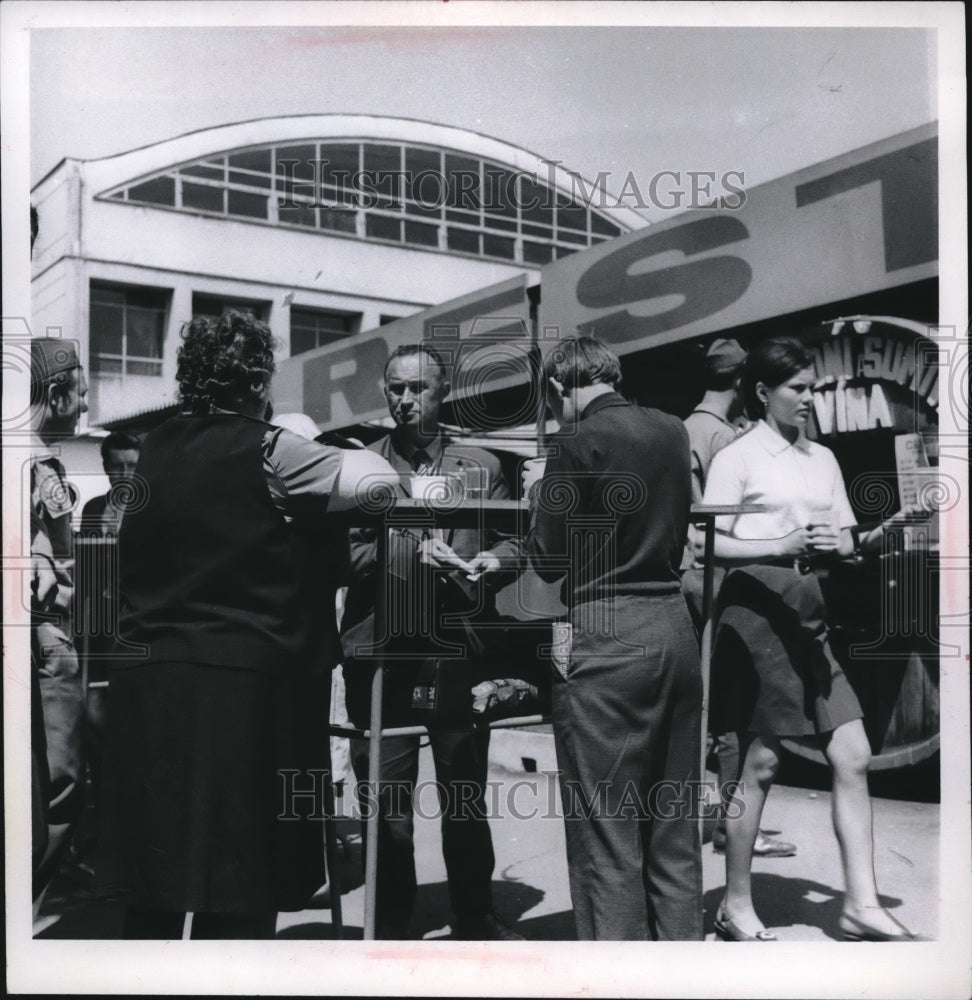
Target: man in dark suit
x,y
431,574
102,514
101,518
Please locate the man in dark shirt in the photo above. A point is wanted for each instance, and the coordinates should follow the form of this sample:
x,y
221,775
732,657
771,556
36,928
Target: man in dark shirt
x,y
610,515
101,518
102,514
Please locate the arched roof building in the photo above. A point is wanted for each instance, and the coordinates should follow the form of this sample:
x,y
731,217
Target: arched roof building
x,y
323,225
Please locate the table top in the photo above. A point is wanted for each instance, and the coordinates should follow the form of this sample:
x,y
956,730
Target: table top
x,y
499,513
447,506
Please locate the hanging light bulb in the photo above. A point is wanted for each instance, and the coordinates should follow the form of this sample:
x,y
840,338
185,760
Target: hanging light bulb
x,y
862,325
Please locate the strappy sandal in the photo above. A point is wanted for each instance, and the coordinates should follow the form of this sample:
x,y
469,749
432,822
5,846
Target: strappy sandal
x,y
859,930
728,930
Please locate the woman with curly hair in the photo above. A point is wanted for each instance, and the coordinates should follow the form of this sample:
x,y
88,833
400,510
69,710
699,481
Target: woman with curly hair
x,y
774,674
224,582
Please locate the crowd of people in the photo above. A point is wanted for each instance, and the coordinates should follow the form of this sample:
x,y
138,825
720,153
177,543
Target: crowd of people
x,y
219,681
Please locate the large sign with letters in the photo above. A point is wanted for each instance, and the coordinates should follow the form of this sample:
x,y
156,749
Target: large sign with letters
x,y
859,223
879,379
856,224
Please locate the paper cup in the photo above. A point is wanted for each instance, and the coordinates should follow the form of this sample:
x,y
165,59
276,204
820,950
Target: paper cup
x,y
434,489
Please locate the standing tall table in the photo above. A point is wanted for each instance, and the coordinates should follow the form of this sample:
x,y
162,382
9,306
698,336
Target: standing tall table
x,y
509,515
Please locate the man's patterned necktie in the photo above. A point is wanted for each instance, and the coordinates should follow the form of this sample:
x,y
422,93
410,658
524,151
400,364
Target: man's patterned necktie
x,y
422,463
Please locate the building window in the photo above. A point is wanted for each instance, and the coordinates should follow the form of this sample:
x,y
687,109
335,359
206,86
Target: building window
x,y
390,192
313,328
127,329
216,305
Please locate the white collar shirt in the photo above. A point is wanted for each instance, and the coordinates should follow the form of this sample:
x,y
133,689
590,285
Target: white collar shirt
x,y
795,482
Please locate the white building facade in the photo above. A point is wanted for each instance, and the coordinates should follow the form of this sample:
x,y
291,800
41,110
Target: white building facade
x,y
324,226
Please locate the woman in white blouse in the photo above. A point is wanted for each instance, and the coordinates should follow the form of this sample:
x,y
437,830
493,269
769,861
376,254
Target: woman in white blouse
x,y
774,674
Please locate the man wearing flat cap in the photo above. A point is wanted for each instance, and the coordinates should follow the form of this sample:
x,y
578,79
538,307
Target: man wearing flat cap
x,y
58,398
712,425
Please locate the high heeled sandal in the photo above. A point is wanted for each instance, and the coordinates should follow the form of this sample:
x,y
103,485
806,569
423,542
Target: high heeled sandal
x,y
727,929
859,930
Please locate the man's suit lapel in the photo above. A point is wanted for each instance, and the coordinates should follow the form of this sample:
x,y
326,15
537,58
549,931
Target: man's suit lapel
x,y
397,463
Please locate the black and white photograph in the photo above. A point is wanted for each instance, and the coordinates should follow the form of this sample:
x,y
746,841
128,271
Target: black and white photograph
x,y
485,499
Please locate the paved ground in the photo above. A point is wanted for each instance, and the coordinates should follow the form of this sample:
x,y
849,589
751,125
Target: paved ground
x,y
799,897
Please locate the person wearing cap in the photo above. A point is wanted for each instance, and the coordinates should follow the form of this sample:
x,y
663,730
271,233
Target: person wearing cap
x,y
713,424
58,392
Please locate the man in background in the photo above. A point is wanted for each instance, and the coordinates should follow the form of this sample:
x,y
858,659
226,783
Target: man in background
x,y
101,518
58,391
119,455
713,424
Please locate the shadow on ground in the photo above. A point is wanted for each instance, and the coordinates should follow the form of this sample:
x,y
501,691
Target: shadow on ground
x,y
784,901
432,915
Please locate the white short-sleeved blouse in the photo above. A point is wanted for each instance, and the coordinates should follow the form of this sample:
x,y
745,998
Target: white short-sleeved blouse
x,y
794,481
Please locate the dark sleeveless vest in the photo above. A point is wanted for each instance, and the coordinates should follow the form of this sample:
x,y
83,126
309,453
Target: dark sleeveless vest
x,y
210,571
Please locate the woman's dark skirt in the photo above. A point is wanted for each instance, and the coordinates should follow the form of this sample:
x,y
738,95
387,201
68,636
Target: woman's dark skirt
x,y
194,812
773,671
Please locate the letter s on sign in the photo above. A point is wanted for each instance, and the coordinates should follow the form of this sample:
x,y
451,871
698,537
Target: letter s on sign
x,y
707,285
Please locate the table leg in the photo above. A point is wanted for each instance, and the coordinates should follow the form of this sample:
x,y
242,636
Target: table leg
x,y
374,738
708,624
330,853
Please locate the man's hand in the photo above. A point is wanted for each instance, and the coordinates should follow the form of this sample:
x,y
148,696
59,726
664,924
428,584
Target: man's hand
x,y
484,562
794,544
43,582
531,473
822,536
435,552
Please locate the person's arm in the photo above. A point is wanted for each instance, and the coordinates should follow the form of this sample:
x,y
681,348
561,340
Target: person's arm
x,y
552,498
362,480
43,581
726,487
872,539
731,551
505,550
309,479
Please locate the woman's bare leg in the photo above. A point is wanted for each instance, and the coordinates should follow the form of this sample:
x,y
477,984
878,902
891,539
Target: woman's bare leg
x,y
761,760
849,754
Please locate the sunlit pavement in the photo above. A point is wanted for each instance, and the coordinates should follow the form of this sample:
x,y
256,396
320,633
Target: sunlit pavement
x,y
798,897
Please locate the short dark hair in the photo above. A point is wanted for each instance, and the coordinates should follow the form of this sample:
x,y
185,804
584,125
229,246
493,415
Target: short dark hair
x,y
414,350
720,381
224,362
120,441
580,361
772,362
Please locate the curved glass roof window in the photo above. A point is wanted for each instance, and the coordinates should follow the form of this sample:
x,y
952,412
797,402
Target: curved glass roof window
x,y
387,192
